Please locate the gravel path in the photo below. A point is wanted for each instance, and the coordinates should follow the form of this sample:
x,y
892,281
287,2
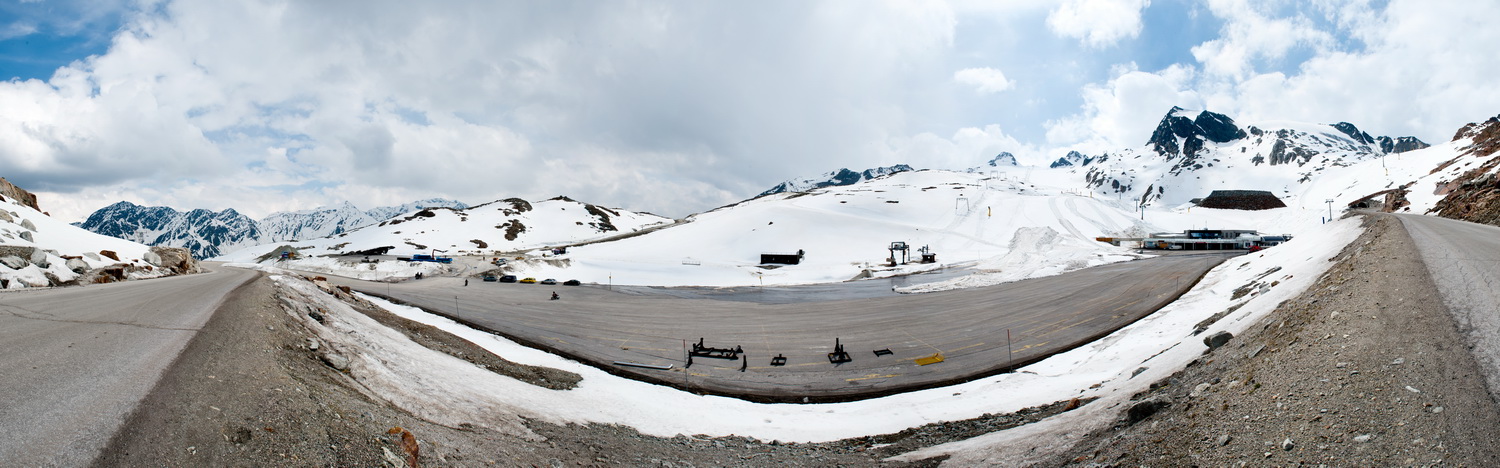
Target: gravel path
x,y
1365,369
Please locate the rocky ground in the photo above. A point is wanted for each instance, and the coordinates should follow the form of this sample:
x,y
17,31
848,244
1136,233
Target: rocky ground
x,y
1365,369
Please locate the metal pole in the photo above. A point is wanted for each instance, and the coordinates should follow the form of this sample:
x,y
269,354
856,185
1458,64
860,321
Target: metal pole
x,y
1010,362
455,305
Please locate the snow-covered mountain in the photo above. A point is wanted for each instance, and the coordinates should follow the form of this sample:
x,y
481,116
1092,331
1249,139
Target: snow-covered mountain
x,y
38,251
489,229
383,213
838,178
209,234
1189,155
1003,159
201,231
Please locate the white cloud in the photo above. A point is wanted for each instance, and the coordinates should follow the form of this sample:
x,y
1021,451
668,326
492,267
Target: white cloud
x,y
968,147
1097,23
1122,112
984,80
476,101
1426,69
1249,35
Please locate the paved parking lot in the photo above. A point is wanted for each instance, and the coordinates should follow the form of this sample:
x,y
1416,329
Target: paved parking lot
x,y
967,327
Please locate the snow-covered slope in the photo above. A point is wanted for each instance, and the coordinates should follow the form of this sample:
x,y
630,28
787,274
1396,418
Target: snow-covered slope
x,y
37,250
383,213
490,229
845,232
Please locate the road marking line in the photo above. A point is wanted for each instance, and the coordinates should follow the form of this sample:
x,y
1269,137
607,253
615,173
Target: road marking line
x,y
919,340
872,376
966,347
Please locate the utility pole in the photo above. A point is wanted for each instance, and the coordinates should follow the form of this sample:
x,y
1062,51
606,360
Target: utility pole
x,y
1330,208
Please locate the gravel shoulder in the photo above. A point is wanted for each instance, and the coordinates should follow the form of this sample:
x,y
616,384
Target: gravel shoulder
x,y
1365,369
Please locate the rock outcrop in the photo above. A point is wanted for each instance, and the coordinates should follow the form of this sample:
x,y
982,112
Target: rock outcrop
x,y
18,194
178,260
1475,195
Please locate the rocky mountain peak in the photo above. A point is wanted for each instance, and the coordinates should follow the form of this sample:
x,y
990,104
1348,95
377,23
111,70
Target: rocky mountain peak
x,y
1072,159
1179,135
1004,159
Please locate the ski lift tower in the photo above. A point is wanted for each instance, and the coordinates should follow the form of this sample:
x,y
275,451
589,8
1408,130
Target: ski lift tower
x,y
899,246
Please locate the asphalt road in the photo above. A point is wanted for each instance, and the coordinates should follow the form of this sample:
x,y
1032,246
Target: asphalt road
x,y
77,360
967,327
1463,259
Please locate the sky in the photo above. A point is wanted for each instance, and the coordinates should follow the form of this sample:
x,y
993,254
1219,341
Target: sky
x,y
673,107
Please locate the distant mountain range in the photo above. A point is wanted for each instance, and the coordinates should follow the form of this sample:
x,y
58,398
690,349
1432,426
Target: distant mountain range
x,y
496,228
1190,155
209,234
835,178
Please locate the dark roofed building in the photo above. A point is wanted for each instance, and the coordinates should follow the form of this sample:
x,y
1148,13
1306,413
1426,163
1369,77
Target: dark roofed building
x,y
1242,200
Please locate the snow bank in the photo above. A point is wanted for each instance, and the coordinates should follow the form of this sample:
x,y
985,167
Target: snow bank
x,y
1156,347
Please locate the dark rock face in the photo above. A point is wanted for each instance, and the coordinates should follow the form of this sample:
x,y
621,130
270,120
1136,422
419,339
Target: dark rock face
x,y
1074,158
1218,128
200,231
1400,144
1207,126
1004,159
1242,200
1353,132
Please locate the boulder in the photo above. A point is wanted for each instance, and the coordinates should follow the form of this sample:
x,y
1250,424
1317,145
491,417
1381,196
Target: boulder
x,y
13,262
77,265
39,258
26,223
27,236
1145,408
6,217
1217,339
93,256
177,259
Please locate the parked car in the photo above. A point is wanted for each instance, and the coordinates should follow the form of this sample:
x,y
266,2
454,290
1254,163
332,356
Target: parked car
x,y
549,281
508,279
572,282
490,278
529,280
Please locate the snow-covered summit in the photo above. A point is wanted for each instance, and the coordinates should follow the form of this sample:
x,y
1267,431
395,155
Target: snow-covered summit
x,y
1187,158
209,234
836,178
493,228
